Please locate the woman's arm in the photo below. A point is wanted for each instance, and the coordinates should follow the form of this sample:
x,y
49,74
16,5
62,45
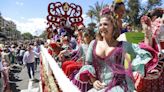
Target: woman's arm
x,y
148,34
146,26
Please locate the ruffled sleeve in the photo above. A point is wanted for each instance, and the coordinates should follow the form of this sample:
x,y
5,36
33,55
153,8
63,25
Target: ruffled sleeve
x,y
154,61
88,58
87,70
85,73
140,57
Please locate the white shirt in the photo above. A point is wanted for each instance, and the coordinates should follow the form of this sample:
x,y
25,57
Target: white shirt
x,y
21,53
36,49
28,57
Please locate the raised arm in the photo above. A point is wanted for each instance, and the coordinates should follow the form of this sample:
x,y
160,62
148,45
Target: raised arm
x,y
146,26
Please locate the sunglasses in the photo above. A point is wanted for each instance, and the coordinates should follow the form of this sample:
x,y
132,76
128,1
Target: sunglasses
x,y
80,29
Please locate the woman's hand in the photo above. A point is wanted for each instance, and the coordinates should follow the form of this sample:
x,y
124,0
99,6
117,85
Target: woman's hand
x,y
98,85
146,26
156,73
145,20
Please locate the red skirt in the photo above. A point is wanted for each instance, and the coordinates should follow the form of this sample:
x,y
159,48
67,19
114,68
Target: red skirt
x,y
69,66
155,85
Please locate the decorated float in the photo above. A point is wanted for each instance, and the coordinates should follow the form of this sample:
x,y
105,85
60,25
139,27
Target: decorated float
x,y
53,78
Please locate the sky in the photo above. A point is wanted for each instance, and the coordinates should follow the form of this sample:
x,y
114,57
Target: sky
x,y
30,15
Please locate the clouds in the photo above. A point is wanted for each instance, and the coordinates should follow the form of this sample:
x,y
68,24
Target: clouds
x,y
19,3
36,25
33,25
86,19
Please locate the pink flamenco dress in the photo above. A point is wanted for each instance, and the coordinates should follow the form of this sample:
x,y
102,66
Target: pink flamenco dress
x,y
111,69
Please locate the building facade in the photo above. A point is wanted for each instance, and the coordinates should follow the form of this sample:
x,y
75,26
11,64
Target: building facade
x,y
7,27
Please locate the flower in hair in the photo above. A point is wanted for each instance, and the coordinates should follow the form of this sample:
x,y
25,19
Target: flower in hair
x,y
105,10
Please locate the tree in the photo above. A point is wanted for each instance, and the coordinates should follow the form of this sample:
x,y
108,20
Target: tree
x,y
153,3
17,34
133,8
27,36
94,11
44,35
90,15
136,10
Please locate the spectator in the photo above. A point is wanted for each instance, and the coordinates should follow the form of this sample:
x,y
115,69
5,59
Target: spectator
x,y
37,51
28,60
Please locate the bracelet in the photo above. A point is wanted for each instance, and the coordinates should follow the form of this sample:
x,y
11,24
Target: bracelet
x,y
148,36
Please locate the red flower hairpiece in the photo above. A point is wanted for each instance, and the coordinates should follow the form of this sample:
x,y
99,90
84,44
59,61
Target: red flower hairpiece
x,y
105,10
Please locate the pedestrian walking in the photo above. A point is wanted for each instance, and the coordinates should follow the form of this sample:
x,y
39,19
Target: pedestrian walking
x,y
28,60
37,51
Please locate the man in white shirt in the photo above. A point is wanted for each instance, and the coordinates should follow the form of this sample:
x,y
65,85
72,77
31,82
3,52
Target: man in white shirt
x,y
36,49
28,60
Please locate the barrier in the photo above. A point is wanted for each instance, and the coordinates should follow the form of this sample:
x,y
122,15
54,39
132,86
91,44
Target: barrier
x,y
52,76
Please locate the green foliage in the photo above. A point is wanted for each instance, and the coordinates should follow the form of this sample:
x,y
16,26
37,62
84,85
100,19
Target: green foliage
x,y
134,37
136,10
43,35
133,8
16,34
153,3
90,14
27,36
94,11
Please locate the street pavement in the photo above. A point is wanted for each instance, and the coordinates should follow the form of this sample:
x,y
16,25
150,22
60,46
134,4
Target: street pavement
x,y
19,80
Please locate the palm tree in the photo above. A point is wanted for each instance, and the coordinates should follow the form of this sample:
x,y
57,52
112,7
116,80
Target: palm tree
x,y
94,11
90,14
136,10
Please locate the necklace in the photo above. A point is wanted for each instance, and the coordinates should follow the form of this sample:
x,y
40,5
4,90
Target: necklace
x,y
112,42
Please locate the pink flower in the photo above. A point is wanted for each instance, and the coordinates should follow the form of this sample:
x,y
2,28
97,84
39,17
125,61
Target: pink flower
x,y
105,10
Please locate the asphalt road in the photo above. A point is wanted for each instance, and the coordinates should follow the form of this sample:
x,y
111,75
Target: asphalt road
x,y
19,80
